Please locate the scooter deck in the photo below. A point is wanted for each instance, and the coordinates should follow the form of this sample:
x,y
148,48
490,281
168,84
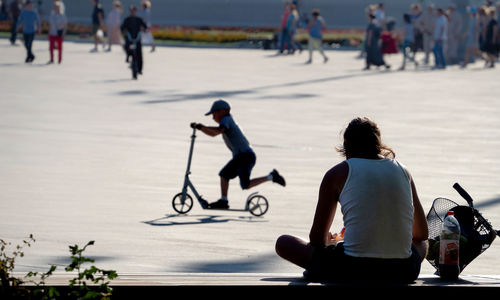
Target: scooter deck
x,y
226,209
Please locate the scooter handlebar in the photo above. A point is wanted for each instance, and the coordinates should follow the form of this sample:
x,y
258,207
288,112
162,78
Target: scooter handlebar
x,y
195,126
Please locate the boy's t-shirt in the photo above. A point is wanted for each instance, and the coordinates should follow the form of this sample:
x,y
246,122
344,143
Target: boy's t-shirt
x,y
233,137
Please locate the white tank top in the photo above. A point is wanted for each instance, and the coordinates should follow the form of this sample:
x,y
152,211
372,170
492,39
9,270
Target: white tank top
x,y
377,208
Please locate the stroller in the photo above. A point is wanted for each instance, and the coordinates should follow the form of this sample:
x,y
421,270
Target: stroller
x,y
476,234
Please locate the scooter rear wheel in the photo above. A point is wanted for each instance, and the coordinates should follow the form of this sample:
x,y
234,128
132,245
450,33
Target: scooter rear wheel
x,y
257,205
180,206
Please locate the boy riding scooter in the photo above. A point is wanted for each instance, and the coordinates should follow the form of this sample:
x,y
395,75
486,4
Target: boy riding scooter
x,y
243,156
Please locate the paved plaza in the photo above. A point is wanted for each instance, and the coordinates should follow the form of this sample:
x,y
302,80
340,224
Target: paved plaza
x,y
86,153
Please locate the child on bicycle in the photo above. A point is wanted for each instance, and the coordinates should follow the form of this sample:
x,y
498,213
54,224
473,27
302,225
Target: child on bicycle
x,y
243,156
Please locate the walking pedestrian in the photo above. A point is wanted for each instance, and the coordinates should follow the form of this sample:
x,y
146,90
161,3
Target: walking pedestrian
x,y
491,42
30,22
113,23
472,38
145,14
97,25
372,44
284,37
57,31
454,34
408,41
440,35
291,29
427,22
14,12
315,28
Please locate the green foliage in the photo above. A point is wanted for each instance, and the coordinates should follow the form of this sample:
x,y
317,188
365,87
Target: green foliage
x,y
78,285
10,285
88,283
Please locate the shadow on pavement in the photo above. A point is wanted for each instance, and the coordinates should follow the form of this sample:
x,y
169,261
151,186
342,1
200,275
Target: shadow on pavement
x,y
258,264
229,94
174,220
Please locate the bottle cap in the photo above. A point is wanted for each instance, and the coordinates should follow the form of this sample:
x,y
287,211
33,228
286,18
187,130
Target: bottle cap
x,y
450,213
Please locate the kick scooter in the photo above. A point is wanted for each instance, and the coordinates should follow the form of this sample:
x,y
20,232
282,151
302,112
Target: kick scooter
x,y
182,203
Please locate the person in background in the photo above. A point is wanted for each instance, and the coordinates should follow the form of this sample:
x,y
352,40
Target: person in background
x,y
315,28
14,12
472,38
408,41
57,31
415,16
113,22
284,37
30,22
372,40
454,35
440,35
97,25
386,233
132,27
491,35
145,14
291,29
427,23
380,15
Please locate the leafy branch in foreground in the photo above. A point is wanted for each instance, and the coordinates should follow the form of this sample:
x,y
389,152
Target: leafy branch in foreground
x,y
78,288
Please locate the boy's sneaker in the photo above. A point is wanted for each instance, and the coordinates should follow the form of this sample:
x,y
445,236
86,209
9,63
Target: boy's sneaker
x,y
204,203
220,204
278,178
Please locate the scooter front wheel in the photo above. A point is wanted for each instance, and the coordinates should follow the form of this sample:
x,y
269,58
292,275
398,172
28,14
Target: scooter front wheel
x,y
180,206
257,205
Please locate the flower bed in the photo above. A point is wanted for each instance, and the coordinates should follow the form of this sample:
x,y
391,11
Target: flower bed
x,y
219,34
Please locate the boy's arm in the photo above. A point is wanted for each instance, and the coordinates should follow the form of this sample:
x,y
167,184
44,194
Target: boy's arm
x,y
208,130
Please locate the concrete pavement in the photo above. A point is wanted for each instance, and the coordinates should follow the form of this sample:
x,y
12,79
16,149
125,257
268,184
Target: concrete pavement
x,y
89,154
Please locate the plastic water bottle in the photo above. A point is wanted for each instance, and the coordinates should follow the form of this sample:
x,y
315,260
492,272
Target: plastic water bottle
x,y
449,267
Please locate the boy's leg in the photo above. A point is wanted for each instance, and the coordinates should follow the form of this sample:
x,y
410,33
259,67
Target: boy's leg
x,y
224,187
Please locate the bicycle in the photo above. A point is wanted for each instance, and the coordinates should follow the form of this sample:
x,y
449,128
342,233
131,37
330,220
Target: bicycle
x,y
132,49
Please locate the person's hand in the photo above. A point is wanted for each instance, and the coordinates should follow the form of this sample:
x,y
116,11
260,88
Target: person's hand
x,y
196,125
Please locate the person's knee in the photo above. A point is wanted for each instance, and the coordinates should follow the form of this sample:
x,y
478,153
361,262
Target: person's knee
x,y
282,244
245,184
422,248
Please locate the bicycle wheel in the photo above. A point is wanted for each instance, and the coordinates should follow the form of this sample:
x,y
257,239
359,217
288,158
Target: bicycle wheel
x,y
134,66
180,206
257,205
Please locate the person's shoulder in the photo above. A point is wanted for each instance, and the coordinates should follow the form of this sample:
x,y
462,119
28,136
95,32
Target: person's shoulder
x,y
340,170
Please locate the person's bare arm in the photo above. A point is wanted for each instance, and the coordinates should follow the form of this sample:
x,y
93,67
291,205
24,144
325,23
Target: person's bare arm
x,y
420,229
209,130
329,193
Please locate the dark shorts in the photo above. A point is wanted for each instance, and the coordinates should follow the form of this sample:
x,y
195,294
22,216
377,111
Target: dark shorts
x,y
241,165
331,263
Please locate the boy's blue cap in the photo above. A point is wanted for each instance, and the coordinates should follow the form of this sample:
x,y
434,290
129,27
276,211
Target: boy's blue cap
x,y
217,105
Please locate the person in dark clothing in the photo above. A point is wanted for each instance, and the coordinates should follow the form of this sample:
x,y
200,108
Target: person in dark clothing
x,y
14,11
97,24
131,28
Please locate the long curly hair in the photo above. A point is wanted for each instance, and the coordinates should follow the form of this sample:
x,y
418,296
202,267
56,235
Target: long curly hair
x,y
362,139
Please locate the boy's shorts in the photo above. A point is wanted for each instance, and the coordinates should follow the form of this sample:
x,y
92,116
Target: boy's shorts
x,y
331,263
241,165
